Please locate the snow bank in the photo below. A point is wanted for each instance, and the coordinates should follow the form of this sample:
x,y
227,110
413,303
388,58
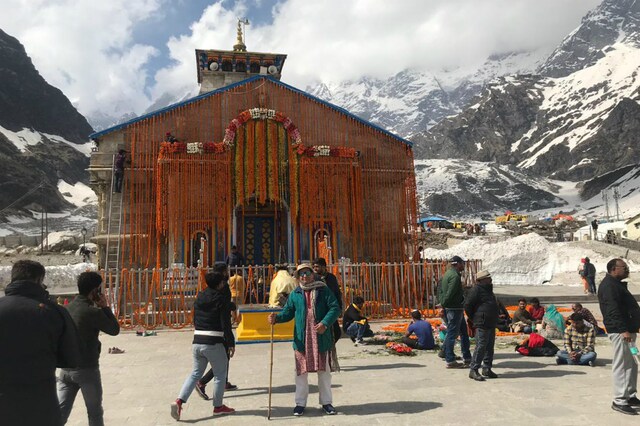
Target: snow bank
x,y
56,278
526,259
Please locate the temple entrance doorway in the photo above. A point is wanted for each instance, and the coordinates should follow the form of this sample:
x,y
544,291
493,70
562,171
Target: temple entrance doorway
x,y
262,232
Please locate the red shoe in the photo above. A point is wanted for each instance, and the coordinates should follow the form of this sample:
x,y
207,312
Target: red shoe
x,y
176,409
223,409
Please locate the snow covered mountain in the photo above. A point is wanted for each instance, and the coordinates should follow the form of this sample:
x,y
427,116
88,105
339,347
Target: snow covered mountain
x,y
577,119
43,138
412,101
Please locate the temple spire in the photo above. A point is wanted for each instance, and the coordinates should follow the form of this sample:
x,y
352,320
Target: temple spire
x,y
240,46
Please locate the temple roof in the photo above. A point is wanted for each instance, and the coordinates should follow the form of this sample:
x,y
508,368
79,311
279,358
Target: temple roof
x,y
242,83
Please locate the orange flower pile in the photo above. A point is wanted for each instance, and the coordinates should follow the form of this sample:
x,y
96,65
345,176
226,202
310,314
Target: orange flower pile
x,y
399,348
398,328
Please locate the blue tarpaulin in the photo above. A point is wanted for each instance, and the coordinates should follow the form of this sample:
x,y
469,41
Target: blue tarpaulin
x,y
432,219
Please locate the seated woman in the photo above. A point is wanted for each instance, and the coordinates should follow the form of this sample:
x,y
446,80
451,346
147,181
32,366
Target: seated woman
x,y
422,329
536,310
552,324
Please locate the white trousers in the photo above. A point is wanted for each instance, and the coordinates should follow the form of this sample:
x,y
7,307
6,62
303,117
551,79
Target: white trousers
x,y
324,388
624,369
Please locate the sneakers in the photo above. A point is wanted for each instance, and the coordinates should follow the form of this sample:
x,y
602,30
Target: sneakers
x,y
592,364
473,374
466,363
230,387
223,409
200,388
634,402
624,409
454,364
328,409
359,342
487,372
298,410
176,409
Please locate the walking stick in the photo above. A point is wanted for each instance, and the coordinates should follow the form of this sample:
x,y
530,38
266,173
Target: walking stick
x,y
270,375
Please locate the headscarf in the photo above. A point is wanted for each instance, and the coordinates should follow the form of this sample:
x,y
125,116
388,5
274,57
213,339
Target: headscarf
x,y
554,317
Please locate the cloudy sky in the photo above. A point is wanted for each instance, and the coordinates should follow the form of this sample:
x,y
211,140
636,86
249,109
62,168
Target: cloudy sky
x,y
116,56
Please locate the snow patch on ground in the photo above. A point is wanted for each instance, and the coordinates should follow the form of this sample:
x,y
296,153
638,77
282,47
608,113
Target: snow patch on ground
x,y
57,277
525,260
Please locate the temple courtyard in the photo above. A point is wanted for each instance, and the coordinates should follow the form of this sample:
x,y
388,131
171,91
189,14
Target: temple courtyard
x,y
373,387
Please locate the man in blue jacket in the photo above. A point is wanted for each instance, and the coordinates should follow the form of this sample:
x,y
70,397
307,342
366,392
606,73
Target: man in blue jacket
x,y
312,339
451,297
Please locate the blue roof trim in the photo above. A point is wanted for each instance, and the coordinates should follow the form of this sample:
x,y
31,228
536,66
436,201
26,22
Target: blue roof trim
x,y
241,83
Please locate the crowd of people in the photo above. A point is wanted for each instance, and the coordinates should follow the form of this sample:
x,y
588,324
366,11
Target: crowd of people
x,y
38,336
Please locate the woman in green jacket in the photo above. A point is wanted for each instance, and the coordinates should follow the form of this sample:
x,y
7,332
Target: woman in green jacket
x,y
312,339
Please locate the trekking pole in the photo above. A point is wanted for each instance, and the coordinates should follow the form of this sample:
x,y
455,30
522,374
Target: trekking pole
x,y
270,375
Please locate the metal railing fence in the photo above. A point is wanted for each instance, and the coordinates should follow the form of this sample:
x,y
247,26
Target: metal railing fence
x,y
164,297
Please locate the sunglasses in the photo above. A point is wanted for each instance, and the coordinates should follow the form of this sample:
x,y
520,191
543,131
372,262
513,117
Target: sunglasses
x,y
305,273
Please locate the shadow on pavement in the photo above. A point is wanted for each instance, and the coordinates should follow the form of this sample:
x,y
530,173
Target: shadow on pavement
x,y
242,392
519,364
380,367
396,407
507,355
539,373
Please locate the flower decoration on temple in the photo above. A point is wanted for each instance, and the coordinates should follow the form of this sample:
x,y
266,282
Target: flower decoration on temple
x,y
192,148
261,114
326,151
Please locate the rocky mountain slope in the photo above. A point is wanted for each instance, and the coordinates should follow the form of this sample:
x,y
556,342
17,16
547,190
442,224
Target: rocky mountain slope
x,y
43,139
576,119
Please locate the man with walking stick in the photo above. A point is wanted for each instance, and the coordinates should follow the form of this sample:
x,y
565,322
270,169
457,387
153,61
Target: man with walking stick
x,y
315,309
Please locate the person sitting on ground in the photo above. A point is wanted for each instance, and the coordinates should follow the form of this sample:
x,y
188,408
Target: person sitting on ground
x,y
588,318
422,329
522,320
504,319
536,345
552,323
281,286
354,323
579,342
536,310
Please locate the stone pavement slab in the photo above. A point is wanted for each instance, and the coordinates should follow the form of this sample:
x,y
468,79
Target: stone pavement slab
x,y
372,388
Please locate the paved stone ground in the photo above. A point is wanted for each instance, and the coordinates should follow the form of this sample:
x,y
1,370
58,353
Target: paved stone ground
x,y
372,388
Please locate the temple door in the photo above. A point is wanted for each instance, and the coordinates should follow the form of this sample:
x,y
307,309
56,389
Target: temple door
x,y
259,240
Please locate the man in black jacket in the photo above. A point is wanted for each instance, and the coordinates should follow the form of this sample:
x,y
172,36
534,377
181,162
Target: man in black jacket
x,y
354,324
213,343
320,269
91,314
621,315
481,307
36,336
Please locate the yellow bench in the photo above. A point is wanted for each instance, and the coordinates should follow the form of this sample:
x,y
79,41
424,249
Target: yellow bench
x,y
255,328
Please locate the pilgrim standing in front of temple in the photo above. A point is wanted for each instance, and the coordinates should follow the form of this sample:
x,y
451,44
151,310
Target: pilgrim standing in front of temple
x,y
36,336
621,317
481,308
91,314
314,308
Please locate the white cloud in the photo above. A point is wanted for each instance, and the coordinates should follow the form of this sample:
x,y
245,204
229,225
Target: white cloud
x,y
85,47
